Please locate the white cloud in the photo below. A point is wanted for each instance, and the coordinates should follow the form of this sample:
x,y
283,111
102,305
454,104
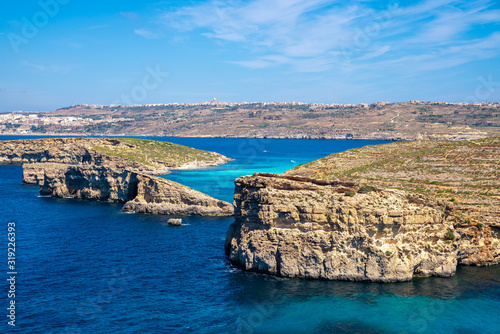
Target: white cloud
x,y
317,35
255,64
74,45
63,69
35,66
129,15
95,27
377,53
148,34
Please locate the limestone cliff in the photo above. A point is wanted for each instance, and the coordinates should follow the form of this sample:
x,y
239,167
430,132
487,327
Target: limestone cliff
x,y
162,196
141,193
299,227
116,170
88,182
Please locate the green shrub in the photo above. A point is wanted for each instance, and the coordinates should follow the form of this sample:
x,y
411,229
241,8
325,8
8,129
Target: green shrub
x,y
388,253
451,200
447,242
366,189
350,193
450,236
479,226
467,221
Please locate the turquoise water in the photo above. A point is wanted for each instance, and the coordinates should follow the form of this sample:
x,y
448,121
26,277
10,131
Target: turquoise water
x,y
253,156
86,267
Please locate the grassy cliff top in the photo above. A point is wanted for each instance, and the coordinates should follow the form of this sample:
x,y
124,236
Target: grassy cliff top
x,y
154,153
154,156
465,173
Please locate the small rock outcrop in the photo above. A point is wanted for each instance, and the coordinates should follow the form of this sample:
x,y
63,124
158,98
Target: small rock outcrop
x,y
298,227
174,222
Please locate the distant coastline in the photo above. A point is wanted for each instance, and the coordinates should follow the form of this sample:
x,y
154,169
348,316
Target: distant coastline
x,y
415,120
63,135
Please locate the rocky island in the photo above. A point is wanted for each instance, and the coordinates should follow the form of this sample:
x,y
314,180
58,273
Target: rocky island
x,y
384,213
116,170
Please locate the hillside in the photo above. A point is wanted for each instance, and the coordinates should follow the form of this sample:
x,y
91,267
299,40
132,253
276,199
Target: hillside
x,y
464,174
414,120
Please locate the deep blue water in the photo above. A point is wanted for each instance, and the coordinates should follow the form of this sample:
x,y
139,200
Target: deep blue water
x,y
85,267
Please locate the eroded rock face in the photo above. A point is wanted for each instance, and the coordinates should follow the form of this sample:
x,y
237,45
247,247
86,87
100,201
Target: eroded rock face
x,y
295,227
141,193
162,196
479,245
96,183
69,167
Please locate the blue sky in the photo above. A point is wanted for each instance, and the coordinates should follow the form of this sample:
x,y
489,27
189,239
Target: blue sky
x,y
54,53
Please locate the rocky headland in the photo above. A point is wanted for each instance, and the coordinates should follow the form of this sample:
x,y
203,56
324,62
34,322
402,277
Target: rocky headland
x,y
384,213
116,170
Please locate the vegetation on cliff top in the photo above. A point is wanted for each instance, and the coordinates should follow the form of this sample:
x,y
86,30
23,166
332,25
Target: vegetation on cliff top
x,y
464,174
152,152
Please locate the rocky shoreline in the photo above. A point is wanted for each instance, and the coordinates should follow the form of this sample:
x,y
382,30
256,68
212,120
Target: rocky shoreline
x,y
384,213
352,136
68,168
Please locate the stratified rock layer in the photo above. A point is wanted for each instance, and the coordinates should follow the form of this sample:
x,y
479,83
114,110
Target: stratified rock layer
x,y
88,182
298,227
77,168
141,193
162,196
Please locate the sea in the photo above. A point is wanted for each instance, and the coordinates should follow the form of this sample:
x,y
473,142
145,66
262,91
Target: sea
x,y
87,267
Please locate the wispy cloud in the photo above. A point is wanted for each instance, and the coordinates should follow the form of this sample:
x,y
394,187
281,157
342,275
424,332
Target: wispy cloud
x,y
129,15
74,45
95,27
35,66
316,35
148,34
63,69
